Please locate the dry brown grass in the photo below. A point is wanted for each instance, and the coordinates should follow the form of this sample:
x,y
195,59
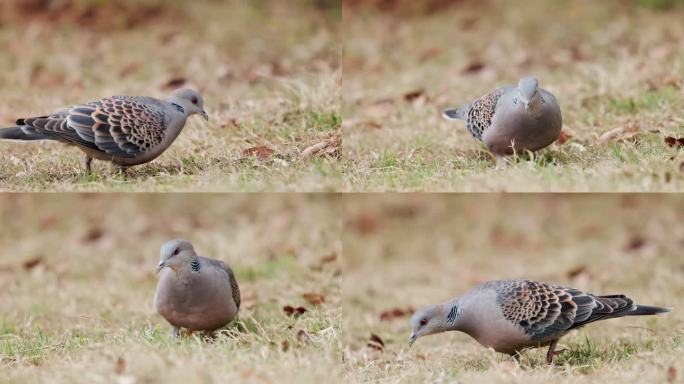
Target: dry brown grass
x,y
268,71
405,251
611,65
77,281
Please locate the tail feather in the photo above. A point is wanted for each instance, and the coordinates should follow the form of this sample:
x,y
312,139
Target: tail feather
x,y
456,113
641,310
16,133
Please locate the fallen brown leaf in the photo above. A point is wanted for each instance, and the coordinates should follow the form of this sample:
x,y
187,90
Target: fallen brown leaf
x,y
636,242
671,374
32,263
563,137
92,235
574,272
294,311
674,141
620,133
413,95
285,345
473,67
376,342
329,258
175,82
395,313
302,336
314,298
120,366
262,153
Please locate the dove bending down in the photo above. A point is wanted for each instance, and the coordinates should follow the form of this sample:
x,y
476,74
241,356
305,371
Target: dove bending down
x,y
194,292
512,119
512,315
126,130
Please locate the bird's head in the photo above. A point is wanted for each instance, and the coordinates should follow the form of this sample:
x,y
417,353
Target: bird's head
x,y
174,253
528,91
190,100
433,319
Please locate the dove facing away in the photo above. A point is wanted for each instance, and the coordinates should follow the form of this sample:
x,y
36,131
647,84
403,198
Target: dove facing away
x,y
126,130
194,292
512,119
513,315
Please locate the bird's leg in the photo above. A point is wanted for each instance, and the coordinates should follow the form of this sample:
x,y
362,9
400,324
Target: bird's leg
x,y
174,332
87,159
500,162
551,352
121,170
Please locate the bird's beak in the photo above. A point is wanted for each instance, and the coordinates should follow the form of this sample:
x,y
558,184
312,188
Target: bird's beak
x,y
205,115
412,339
160,266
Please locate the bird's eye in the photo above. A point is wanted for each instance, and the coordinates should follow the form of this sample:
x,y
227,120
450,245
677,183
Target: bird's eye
x,y
176,251
423,322
194,99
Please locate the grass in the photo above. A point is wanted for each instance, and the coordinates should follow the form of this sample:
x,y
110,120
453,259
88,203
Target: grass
x,y
401,69
405,251
269,74
77,287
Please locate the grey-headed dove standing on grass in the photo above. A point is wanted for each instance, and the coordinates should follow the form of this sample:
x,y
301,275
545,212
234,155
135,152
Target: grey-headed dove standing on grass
x,y
512,119
512,315
126,130
194,292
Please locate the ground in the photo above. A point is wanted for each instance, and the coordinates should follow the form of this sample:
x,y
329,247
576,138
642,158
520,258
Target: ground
x,y
77,281
405,251
616,70
268,71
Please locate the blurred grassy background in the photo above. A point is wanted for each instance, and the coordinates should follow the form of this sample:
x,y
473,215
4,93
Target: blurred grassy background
x,y
268,71
77,284
615,66
405,251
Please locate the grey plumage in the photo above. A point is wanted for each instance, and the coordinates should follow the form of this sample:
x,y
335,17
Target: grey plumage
x,y
512,315
512,119
194,292
126,130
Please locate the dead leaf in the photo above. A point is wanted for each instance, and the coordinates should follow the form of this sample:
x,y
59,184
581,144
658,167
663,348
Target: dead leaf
x,y
473,67
314,298
330,145
120,367
130,68
302,336
376,342
294,312
671,374
636,242
395,313
563,137
620,133
285,345
429,54
32,263
674,141
92,235
175,82
413,95
365,223
262,153
329,258
574,272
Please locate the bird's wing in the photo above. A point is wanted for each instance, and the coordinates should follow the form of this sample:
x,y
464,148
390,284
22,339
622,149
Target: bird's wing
x,y
479,115
545,310
234,288
122,126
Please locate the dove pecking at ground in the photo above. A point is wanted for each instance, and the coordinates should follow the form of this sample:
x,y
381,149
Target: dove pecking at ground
x,y
512,119
194,292
126,130
513,315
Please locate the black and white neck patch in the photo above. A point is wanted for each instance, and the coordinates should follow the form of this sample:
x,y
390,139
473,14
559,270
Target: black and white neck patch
x,y
178,108
195,265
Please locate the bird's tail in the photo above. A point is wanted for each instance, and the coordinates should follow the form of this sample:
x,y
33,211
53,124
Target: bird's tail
x,y
456,113
648,310
16,133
